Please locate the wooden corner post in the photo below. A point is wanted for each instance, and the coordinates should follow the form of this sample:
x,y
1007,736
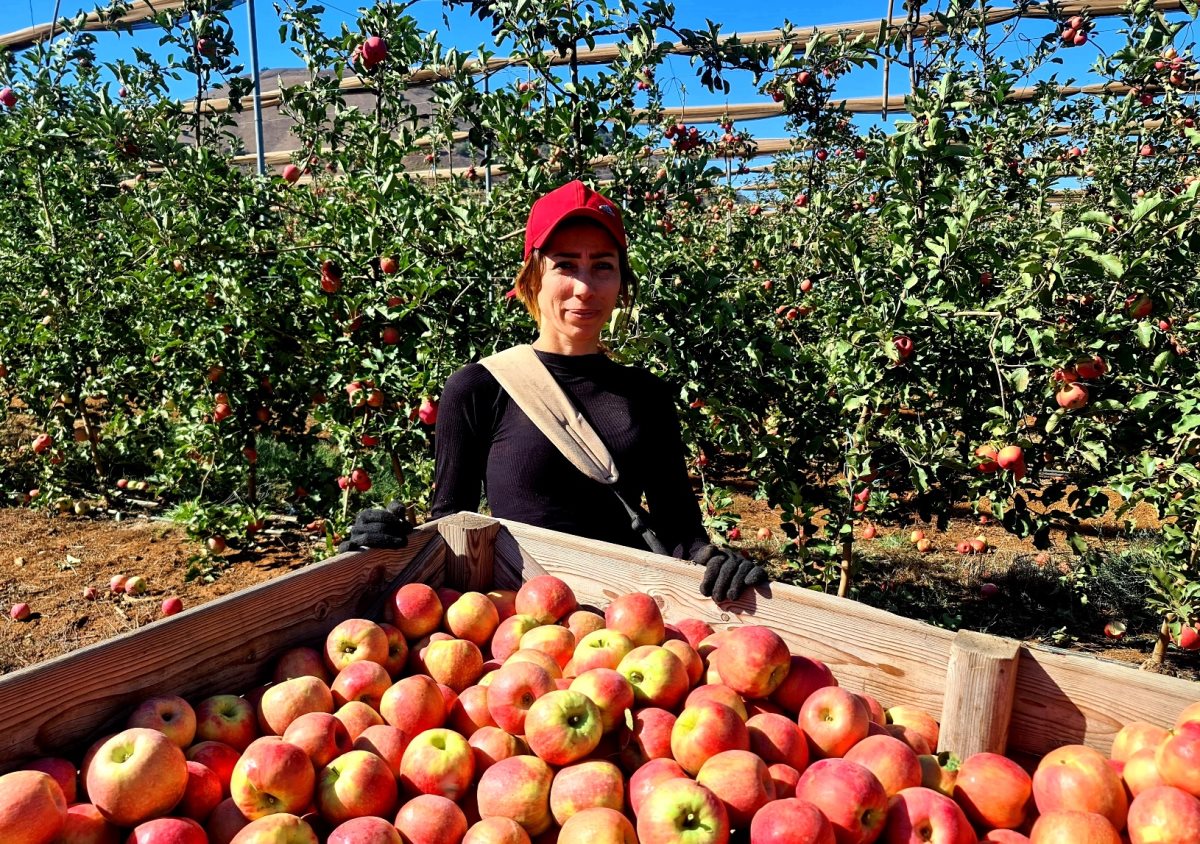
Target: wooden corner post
x,y
470,550
981,682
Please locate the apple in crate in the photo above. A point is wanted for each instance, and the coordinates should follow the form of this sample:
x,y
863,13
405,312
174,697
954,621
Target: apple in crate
x,y
203,793
171,715
1164,814
136,775
789,820
563,726
1078,778
353,785
777,739
85,825
272,776
1074,827
917,720
368,830
649,738
228,719
586,785
1178,757
741,781
437,761
416,610
280,828
455,662
513,690
282,704
168,831
517,788
473,617
546,598
804,676
1133,737
648,777
355,639
636,615
892,762
834,720
364,681
681,811
497,830
599,649
753,660
431,819
554,640
63,771
583,622
849,795
413,704
33,809
658,677
993,790
1140,771
507,639
705,729
301,662
610,691
598,824
319,734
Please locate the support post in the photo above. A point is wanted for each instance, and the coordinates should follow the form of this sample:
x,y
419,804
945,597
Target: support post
x,y
470,550
981,683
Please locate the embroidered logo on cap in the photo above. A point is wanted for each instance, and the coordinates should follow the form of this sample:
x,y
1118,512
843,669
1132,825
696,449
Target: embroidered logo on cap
x,y
608,209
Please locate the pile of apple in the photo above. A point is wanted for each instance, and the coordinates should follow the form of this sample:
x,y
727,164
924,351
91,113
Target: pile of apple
x,y
519,717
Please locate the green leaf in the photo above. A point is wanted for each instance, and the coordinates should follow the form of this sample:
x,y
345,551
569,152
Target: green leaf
x,y
1145,334
1083,233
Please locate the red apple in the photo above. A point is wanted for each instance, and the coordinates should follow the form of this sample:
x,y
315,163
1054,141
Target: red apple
x,y
753,660
413,704
721,694
850,797
804,676
993,790
917,815
282,704
63,771
637,616
790,821
834,720
681,811
598,825
136,775
85,825
778,739
228,719
353,785
33,809
218,757
513,690
204,791
1073,827
554,640
491,744
1140,771
1133,737
546,598
496,830
431,819
353,640
1164,814
649,776
649,738
168,831
918,720
319,734
600,649
892,762
741,781
473,617
170,715
705,729
658,677
279,828
609,691
301,662
1178,757
586,785
366,830
517,788
272,776
437,761
225,822
1078,778
416,610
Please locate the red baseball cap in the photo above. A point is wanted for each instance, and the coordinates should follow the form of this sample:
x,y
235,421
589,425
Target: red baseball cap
x,y
574,199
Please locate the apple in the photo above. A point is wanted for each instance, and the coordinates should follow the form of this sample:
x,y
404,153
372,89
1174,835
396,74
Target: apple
x,y
469,711
135,775
600,649
648,738
904,347
693,630
353,640
168,831
892,762
586,785
1004,836
282,704
416,610
62,770
917,815
1078,778
658,677
228,719
649,776
353,785
225,822
692,663
805,675
790,821
367,830
136,585
1135,736
428,412
280,828
457,663
85,825
1189,637
513,690
681,811
583,622
563,726
33,809
1178,756
778,739
916,719
431,819
491,744
849,795
609,691
8,97
496,830
1067,826
507,638
546,598
517,788
413,704
319,734
473,617
637,616
785,778
291,173
1072,396
721,694
1188,714
437,761
1164,813
834,720
360,681
753,660
272,776
705,729
993,791
1140,771
172,605
598,825
1011,458
554,640
740,780
987,456
203,793
300,662
939,772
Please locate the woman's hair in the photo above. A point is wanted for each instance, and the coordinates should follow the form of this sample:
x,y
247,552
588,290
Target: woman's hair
x,y
529,283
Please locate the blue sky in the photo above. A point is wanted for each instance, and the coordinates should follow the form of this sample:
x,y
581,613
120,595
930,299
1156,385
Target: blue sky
x,y
467,33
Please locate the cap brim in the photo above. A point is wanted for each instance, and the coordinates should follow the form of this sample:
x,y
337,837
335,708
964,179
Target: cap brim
x,y
607,221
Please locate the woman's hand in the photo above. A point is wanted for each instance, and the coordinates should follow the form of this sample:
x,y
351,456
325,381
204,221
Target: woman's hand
x,y
376,528
726,573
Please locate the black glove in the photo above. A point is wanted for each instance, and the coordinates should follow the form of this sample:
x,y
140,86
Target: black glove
x,y
376,528
726,573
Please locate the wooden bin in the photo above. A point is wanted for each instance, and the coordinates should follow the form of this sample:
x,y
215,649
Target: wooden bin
x,y
990,693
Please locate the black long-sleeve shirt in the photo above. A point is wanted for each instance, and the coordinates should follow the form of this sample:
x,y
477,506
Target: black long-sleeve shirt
x,y
485,442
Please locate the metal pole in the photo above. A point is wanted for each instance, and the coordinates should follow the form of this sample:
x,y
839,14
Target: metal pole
x,y
258,131
487,150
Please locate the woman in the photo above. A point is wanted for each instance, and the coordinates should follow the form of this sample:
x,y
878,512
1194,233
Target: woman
x,y
576,272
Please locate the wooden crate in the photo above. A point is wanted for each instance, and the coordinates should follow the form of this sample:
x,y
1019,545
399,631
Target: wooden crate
x,y
990,693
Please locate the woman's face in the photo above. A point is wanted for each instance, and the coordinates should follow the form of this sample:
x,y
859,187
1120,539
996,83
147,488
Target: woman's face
x,y
581,282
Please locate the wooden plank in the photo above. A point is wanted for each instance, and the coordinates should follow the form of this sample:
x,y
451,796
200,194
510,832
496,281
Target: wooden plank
x,y
470,542
981,678
221,646
898,660
1068,698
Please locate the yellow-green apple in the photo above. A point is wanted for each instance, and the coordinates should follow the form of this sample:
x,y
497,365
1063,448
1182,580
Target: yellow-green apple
x,y
356,716
993,790
637,615
416,610
1073,827
583,622
939,771
355,639
874,708
1004,836
916,719
1178,757
657,676
301,662
85,825
777,738
785,778
319,734
365,830
202,794
1078,778
431,819
917,815
225,822
804,676
168,831
473,617
600,649
228,719
791,821
892,762
437,761
413,704
171,715
506,641
496,830
455,662
136,775
649,776
598,825
555,641
906,734
513,690
470,711
586,785
1140,771
693,630
546,598
721,694
355,784
688,656
279,828
705,729
416,653
218,757
1133,737
1163,814
272,776
611,693
517,788
834,720
33,809
397,649
849,795
63,771
386,742
741,781
505,601
362,680
563,726
545,661
681,811
648,738
491,744
282,704
753,660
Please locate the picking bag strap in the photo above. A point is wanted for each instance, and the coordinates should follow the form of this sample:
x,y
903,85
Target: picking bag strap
x,y
527,381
